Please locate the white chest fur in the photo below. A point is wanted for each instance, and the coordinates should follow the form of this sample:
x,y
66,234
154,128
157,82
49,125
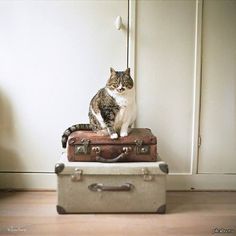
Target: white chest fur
x,y
127,113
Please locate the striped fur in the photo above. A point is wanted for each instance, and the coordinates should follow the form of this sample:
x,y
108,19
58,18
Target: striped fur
x,y
72,129
112,110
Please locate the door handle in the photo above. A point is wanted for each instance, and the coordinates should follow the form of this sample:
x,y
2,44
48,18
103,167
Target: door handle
x,y
118,22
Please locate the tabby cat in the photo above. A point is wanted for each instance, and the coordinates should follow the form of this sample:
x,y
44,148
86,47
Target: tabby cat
x,y
112,110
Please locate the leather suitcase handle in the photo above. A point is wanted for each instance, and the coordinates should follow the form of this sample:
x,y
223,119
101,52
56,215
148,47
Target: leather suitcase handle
x,y
116,159
98,187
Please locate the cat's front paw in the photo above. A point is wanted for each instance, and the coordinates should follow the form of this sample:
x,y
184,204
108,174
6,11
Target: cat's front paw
x,y
114,136
123,134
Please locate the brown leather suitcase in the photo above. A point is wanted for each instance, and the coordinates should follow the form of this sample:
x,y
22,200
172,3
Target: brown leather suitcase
x,y
86,145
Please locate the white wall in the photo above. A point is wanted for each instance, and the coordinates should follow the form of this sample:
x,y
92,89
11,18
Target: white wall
x,y
54,56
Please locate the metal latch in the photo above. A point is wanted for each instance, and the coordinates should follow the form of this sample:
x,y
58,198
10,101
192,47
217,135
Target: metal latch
x,y
146,175
141,149
77,176
82,148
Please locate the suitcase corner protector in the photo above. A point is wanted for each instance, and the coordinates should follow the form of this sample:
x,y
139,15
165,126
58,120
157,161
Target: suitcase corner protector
x,y
164,168
161,209
59,167
60,210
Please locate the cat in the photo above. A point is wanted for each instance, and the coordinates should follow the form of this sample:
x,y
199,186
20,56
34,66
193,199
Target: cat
x,y
112,111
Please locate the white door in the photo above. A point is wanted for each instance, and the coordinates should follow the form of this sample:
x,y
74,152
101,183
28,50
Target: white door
x,y
165,66
168,66
54,56
217,153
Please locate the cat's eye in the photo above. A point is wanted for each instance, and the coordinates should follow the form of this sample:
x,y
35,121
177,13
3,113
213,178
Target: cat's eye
x,y
114,86
128,83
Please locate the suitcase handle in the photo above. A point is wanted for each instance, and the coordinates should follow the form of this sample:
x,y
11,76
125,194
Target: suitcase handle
x,y
116,159
97,187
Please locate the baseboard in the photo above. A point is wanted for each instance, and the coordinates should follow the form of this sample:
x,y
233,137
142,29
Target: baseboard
x,y
28,181
205,182
48,182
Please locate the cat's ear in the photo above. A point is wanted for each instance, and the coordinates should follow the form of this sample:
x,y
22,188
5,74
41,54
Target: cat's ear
x,y
127,71
113,72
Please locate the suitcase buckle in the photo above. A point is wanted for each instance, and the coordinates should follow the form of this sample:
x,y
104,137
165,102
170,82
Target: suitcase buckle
x,y
141,149
146,175
77,176
82,148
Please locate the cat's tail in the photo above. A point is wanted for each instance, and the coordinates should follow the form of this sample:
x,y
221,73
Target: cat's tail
x,y
72,129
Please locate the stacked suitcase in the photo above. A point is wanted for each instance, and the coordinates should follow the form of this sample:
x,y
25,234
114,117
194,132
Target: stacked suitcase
x,y
101,175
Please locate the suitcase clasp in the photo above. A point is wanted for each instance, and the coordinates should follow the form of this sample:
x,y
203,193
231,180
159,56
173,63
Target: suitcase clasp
x,y
146,175
141,149
77,176
82,148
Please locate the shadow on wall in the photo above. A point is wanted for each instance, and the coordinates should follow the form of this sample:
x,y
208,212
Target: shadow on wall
x,y
9,159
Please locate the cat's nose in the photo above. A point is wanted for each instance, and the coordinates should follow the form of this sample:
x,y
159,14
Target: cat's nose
x,y
120,90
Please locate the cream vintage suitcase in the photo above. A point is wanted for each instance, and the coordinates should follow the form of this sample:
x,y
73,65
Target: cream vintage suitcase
x,y
91,187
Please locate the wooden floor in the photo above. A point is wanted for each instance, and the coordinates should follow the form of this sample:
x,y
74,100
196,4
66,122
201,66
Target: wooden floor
x,y
188,213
